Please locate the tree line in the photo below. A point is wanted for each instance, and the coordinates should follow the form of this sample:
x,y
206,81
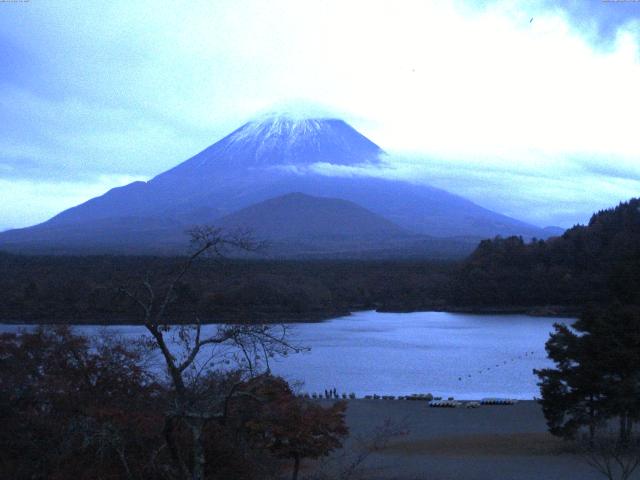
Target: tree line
x,y
594,263
597,263
59,289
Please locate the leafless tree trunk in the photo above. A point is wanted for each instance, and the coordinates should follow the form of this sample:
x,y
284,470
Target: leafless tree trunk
x,y
196,409
296,466
349,464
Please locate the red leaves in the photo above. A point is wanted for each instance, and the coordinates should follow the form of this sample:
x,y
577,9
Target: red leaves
x,y
67,404
294,427
71,407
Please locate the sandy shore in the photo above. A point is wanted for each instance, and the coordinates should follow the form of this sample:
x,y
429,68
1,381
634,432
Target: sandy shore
x,y
490,442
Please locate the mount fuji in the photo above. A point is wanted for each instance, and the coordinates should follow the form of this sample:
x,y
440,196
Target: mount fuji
x,y
272,156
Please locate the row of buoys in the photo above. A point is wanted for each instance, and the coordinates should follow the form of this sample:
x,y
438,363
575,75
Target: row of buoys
x,y
504,362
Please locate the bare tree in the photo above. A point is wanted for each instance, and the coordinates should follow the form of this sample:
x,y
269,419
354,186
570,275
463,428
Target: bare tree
x,y
611,457
188,352
349,464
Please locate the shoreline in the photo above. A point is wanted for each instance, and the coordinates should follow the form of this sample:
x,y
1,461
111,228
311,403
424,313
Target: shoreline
x,y
567,311
509,442
319,317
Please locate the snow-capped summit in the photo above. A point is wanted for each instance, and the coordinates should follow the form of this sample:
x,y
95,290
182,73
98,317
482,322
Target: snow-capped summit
x,y
296,110
282,139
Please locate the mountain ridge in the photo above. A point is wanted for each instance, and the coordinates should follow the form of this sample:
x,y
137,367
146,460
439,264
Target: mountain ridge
x,y
245,168
297,215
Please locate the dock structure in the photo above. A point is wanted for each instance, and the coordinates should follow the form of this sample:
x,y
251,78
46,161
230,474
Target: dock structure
x,y
445,404
498,401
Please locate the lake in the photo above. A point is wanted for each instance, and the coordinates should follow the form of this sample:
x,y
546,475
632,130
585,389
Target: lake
x,y
446,354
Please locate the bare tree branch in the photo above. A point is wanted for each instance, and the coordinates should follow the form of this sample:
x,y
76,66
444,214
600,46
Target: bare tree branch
x,y
195,405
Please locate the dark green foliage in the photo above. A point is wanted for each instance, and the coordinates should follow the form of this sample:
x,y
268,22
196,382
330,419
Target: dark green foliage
x,y
597,373
572,393
56,289
599,262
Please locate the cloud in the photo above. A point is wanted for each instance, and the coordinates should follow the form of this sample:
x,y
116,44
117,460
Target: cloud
x,y
601,20
563,196
482,101
72,138
598,21
33,201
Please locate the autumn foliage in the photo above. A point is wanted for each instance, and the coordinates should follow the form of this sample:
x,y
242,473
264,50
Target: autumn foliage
x,y
294,428
71,407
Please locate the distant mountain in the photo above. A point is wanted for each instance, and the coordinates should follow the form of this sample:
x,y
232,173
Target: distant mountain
x,y
553,231
294,225
266,158
297,225
260,160
296,216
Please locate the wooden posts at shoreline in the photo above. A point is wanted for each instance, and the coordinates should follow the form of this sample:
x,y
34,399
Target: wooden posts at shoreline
x,y
437,402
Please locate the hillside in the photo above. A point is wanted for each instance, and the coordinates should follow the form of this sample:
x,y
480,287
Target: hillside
x,y
297,216
597,262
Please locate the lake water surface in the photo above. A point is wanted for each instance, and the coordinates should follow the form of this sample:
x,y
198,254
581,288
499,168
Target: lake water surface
x,y
447,354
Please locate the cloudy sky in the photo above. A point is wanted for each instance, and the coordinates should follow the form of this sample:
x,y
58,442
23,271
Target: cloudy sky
x,y
528,108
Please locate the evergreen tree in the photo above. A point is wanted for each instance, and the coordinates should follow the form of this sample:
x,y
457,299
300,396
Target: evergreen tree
x,y
597,374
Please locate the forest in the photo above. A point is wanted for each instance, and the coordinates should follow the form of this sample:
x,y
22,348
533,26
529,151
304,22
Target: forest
x,y
595,263
87,289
